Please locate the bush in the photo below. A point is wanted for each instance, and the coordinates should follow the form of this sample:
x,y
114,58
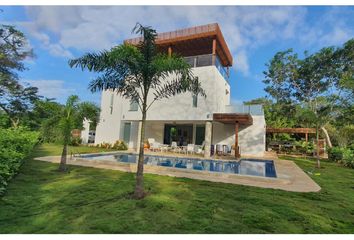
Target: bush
x,y
120,145
344,156
104,145
75,141
15,146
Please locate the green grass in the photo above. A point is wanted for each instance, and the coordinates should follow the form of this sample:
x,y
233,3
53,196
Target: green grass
x,y
50,149
88,200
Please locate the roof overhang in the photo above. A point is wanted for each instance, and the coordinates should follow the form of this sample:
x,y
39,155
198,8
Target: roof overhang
x,y
232,118
194,37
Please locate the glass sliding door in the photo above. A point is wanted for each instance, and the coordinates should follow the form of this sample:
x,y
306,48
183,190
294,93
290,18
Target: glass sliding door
x,y
199,134
126,133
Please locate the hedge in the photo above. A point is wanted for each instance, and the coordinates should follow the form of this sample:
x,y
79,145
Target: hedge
x,y
341,155
15,146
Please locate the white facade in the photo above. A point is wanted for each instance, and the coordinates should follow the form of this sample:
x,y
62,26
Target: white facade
x,y
117,120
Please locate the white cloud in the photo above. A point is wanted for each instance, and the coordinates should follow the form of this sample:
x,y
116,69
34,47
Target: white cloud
x,y
51,88
245,28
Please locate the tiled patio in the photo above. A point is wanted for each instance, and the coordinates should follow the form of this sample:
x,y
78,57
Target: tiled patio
x,y
289,176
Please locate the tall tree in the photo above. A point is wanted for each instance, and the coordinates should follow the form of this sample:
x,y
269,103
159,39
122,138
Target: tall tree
x,y
135,72
15,99
313,82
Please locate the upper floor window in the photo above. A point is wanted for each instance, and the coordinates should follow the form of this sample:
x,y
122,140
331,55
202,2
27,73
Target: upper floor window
x,y
195,100
134,105
111,103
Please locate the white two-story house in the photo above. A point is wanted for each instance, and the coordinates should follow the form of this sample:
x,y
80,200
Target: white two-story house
x,y
211,120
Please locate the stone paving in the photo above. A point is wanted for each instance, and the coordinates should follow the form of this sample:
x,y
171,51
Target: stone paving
x,y
289,176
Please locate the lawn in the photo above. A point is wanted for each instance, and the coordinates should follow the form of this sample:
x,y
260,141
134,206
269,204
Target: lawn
x,y
88,200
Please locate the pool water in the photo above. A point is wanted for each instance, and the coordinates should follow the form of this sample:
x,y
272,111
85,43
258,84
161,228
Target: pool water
x,y
253,167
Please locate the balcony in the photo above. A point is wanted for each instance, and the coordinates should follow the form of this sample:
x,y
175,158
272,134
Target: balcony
x,y
207,60
255,110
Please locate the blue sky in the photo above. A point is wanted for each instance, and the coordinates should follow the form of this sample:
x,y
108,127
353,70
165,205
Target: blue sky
x,y
253,34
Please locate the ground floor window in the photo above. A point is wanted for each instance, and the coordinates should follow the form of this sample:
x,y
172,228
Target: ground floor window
x,y
180,133
200,134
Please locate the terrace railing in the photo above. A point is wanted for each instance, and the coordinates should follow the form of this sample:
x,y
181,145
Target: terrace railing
x,y
256,109
206,60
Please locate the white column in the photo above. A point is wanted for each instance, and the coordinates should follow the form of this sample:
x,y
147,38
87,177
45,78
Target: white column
x,y
138,137
208,131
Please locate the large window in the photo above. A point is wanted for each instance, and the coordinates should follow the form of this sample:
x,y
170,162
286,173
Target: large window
x,y
195,100
134,106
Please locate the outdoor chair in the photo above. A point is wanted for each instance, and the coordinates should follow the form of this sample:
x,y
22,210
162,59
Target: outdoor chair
x,y
190,148
155,146
175,148
199,149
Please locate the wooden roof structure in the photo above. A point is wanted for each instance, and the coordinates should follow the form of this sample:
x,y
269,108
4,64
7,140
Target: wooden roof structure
x,y
232,118
290,130
198,40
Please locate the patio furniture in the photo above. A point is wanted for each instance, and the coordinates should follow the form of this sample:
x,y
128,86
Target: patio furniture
x,y
175,148
199,149
190,148
219,150
155,146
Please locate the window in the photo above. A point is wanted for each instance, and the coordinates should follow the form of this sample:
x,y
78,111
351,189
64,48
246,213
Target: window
x,y
111,104
134,105
195,100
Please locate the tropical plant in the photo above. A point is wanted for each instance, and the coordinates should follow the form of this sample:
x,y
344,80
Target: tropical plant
x,y
136,72
71,116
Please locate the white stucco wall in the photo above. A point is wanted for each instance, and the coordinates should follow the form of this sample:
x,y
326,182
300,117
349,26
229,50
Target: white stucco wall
x,y
177,108
85,131
251,138
180,107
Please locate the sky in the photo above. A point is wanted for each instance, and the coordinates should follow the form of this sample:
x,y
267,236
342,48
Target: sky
x,y
253,34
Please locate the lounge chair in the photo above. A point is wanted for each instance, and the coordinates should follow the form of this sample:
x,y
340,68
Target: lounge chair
x,y
199,149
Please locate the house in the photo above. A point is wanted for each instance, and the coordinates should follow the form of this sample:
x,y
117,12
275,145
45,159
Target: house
x,y
194,119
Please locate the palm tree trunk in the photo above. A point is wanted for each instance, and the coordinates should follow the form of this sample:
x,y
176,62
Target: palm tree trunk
x,y
318,148
328,139
139,187
62,166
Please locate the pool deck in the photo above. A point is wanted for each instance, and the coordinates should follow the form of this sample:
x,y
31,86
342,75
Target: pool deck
x,y
289,176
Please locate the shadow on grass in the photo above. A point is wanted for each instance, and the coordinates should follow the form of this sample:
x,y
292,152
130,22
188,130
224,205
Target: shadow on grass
x,y
89,200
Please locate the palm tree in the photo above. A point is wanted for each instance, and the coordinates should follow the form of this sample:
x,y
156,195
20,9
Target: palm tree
x,y
72,115
66,125
137,71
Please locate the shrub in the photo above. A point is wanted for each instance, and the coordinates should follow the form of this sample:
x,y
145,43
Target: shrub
x,y
344,156
75,141
15,146
120,145
335,154
104,145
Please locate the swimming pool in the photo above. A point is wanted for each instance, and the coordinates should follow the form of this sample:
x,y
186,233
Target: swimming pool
x,y
252,167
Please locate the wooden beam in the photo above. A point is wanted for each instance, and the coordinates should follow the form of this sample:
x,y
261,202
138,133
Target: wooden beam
x,y
306,137
290,130
237,153
214,52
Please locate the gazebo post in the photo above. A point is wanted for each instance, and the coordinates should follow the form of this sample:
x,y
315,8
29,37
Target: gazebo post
x,y
237,153
306,137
